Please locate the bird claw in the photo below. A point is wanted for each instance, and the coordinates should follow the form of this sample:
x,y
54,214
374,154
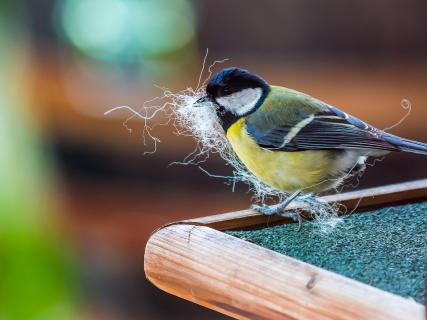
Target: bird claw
x,y
292,215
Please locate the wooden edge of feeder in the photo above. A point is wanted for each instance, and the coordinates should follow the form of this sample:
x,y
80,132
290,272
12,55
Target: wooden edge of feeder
x,y
361,200
246,281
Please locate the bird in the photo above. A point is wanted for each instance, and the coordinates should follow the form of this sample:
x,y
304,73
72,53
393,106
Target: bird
x,y
292,141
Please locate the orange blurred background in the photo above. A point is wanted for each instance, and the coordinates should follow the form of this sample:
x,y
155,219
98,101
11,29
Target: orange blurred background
x,y
69,61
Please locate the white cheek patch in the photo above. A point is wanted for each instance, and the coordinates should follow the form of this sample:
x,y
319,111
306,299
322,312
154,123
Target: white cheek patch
x,y
241,102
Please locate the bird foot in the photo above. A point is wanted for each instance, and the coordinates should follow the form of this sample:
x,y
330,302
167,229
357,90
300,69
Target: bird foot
x,y
277,209
267,210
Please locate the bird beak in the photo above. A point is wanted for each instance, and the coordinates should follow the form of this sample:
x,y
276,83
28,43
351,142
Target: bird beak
x,y
201,101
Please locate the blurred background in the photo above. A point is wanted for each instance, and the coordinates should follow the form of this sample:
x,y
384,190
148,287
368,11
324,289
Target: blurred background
x,y
79,199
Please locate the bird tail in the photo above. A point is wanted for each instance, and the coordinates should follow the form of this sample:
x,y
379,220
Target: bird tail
x,y
406,145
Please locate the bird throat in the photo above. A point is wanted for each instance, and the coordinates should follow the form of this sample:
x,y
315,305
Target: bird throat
x,y
228,119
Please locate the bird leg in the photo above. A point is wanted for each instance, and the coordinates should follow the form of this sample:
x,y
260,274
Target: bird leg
x,y
279,208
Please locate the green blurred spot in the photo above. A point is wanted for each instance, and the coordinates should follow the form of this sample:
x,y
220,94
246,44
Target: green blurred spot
x,y
126,30
37,271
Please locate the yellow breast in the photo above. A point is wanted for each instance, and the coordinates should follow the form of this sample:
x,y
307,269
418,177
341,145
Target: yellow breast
x,y
286,171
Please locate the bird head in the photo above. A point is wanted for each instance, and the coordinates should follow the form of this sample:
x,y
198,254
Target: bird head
x,y
236,93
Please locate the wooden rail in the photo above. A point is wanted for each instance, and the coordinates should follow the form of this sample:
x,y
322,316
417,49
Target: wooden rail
x,y
194,260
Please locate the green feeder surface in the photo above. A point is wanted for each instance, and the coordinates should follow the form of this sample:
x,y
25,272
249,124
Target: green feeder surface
x,y
385,248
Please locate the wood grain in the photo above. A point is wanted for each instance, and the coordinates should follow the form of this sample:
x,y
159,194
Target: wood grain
x,y
362,200
246,281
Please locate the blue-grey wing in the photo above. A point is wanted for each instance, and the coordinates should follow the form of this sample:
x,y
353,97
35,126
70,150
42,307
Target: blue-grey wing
x,y
330,129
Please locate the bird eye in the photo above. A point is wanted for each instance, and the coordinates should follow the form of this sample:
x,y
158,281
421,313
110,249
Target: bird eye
x,y
227,90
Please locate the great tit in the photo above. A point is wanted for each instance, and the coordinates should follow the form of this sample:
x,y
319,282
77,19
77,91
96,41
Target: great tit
x,y
290,140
